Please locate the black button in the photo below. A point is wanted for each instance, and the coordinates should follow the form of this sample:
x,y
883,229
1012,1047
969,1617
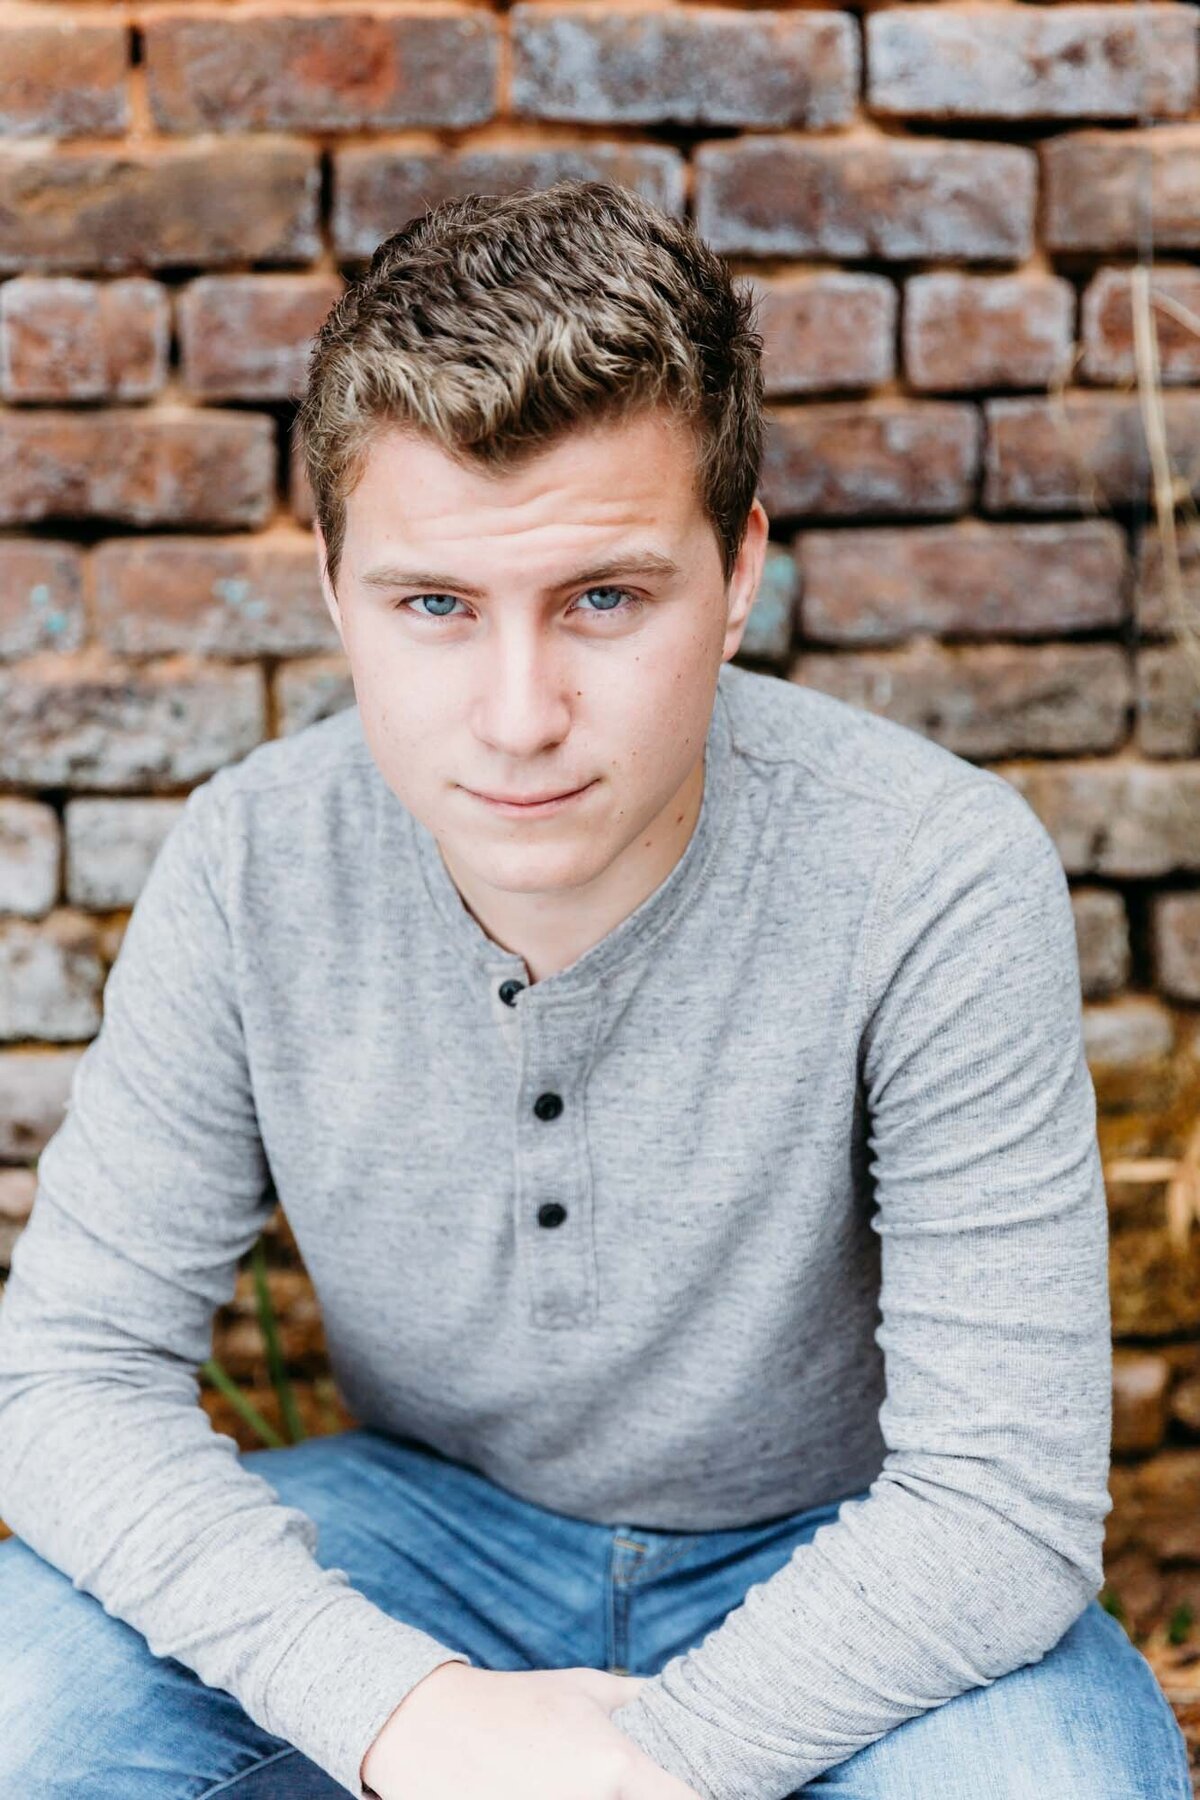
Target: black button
x,y
509,990
551,1213
548,1106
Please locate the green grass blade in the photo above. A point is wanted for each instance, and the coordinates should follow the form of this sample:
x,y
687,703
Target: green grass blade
x,y
239,1402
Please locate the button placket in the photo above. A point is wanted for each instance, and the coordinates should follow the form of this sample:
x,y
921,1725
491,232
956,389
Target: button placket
x,y
553,1184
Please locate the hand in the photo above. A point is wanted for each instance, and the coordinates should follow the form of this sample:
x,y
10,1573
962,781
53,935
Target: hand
x,y
541,1734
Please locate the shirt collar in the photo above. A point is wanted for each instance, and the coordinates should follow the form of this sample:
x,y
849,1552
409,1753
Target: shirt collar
x,y
637,930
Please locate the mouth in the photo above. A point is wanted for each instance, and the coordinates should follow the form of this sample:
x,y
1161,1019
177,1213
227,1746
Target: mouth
x,y
531,808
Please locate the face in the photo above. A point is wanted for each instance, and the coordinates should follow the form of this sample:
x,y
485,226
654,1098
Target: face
x,y
559,628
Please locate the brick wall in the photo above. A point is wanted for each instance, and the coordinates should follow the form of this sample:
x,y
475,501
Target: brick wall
x,y
940,206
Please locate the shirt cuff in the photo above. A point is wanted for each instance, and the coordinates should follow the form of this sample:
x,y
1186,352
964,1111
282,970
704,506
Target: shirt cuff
x,y
336,1685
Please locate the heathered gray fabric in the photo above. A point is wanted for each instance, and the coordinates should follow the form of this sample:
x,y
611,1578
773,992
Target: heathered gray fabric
x,y
835,1218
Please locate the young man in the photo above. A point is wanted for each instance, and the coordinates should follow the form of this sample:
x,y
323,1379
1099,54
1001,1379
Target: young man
x,y
673,1078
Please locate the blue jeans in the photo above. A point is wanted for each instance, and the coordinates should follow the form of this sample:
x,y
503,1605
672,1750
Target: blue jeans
x,y
87,1712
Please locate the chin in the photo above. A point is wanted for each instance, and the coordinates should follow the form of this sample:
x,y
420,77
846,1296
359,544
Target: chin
x,y
538,868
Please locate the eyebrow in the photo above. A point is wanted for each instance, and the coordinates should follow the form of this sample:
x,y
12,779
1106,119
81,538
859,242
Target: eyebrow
x,y
636,562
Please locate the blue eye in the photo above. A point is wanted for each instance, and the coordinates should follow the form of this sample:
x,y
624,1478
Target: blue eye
x,y
416,601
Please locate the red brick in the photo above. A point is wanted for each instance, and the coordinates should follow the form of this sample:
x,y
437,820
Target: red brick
x,y
157,205
247,337
1175,941
1168,702
168,467
826,330
879,586
1075,62
63,76
376,191
41,597
1116,816
96,725
1153,605
893,458
1101,940
219,69
987,331
1107,325
986,700
1080,451
1098,184
254,595
866,196
686,66
62,338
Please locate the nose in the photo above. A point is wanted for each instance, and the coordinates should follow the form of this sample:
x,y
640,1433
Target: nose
x,y
523,691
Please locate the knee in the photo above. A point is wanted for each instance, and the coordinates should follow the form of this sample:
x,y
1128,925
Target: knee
x,y
72,1678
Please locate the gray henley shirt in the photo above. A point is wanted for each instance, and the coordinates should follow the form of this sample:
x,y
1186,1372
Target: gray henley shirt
x,y
835,1221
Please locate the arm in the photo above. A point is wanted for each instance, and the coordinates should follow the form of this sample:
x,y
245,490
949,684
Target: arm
x,y
980,1540
149,1192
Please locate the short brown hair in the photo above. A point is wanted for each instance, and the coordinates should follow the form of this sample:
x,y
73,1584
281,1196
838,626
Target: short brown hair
x,y
496,323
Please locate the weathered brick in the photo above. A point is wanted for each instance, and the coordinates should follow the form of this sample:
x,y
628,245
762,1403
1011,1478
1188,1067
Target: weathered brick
x,y
1101,940
30,842
62,338
91,724
310,689
770,625
172,466
210,69
825,330
255,595
1140,1381
1127,1033
34,1087
111,846
376,191
41,597
1116,817
1175,944
987,331
881,585
1099,184
686,66
1168,702
988,699
1154,607
248,337
158,205
1107,325
893,458
1069,62
866,196
62,78
1079,451
51,978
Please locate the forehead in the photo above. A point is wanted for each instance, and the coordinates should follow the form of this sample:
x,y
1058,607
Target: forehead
x,y
604,477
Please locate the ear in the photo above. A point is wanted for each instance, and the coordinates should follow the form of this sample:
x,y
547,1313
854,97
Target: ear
x,y
327,593
746,576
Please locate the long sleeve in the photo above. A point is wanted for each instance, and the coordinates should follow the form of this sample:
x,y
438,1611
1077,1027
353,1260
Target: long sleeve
x,y
149,1192
980,1540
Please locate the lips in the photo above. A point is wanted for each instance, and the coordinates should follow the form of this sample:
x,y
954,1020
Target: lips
x,y
528,799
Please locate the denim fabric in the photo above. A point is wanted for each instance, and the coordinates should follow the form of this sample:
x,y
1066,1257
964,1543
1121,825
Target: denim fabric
x,y
87,1712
